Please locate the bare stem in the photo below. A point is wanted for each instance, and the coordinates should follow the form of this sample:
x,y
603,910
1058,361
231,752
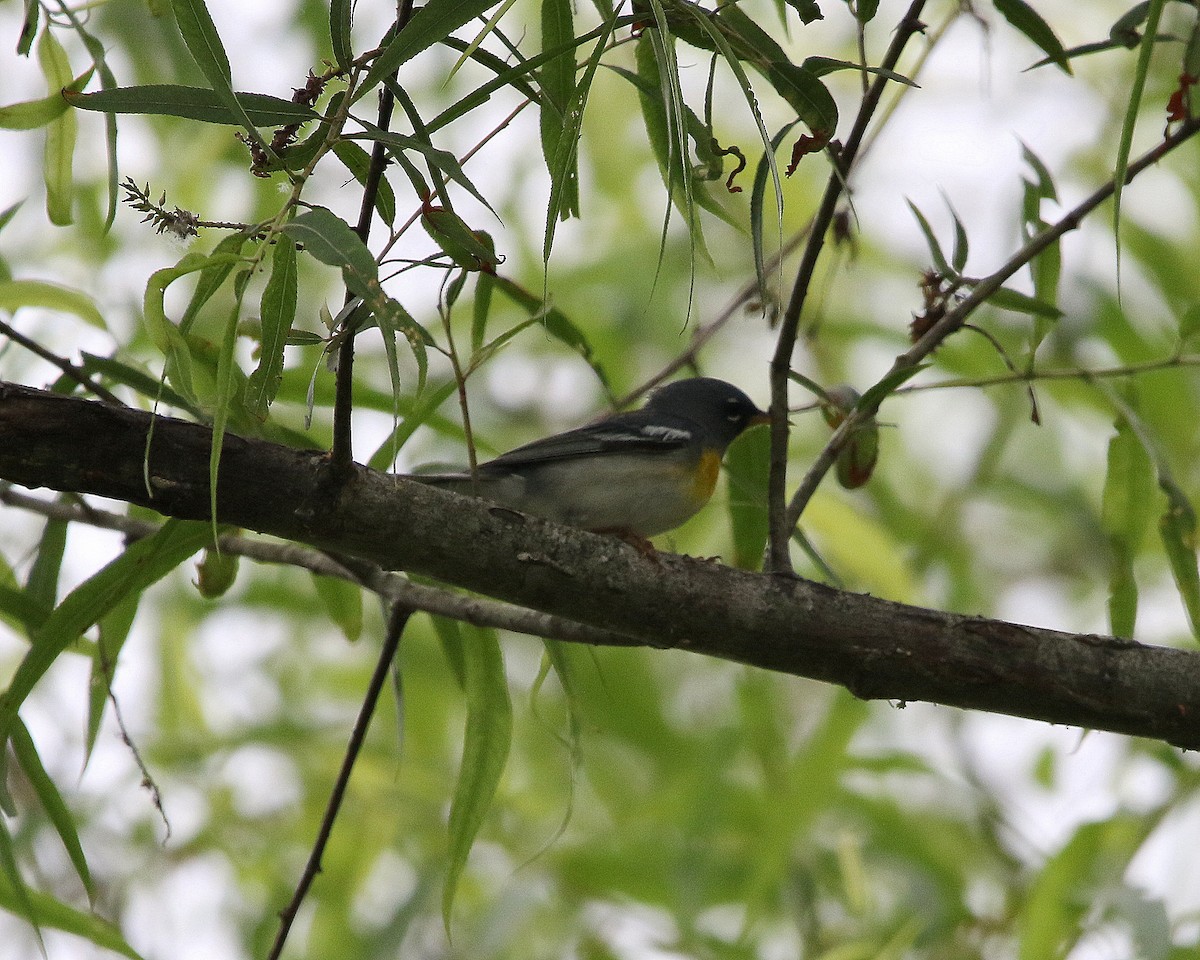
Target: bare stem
x,y
778,559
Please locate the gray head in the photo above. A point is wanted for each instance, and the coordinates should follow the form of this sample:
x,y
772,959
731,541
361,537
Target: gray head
x,y
719,407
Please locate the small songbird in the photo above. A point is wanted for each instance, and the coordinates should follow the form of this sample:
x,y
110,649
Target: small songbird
x,y
636,474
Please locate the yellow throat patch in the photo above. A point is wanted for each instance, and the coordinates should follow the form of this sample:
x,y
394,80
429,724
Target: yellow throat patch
x,y
707,471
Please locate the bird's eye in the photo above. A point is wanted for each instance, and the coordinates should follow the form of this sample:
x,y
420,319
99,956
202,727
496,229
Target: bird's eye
x,y
733,410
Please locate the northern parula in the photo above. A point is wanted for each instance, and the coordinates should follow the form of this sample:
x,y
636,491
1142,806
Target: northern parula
x,y
639,473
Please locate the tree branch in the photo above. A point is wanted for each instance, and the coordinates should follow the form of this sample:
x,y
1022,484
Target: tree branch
x,y
875,648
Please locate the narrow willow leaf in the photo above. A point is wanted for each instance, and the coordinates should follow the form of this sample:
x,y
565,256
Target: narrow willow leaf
x,y
341,18
1008,299
163,333
819,66
1125,144
31,114
420,413
958,258
225,256
114,631
42,583
204,44
13,883
194,103
1178,529
568,144
935,248
1029,22
150,387
807,95
60,134
512,76
15,294
28,28
443,161
225,397
558,88
485,749
431,24
22,611
874,397
278,312
757,203
481,307
747,465
358,162
143,563
1126,508
52,802
555,322
331,240
343,601
55,915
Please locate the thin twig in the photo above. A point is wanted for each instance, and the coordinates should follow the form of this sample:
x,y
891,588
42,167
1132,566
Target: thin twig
x,y
480,611
778,559
395,629
78,374
342,453
956,317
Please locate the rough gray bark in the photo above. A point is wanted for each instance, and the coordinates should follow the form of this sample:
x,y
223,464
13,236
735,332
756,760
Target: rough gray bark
x,y
875,648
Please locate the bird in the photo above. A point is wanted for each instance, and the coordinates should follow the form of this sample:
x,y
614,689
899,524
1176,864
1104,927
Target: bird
x,y
634,474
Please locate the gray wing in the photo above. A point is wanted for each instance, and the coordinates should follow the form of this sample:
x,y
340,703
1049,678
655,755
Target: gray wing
x,y
623,433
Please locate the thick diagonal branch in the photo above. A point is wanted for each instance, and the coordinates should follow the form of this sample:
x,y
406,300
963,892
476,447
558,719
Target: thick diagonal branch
x,y
876,648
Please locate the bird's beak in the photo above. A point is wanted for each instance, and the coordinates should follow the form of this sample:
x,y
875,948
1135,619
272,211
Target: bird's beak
x,y
759,418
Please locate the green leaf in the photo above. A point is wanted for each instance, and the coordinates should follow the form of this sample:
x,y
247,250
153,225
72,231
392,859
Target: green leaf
x,y
114,631
747,466
441,160
485,750
42,583
46,911
555,322
358,162
343,601
151,387
935,248
51,801
226,397
563,166
1125,144
60,134
31,114
1008,299
15,294
808,10
558,91
204,44
819,66
11,882
341,19
1178,530
194,103
163,333
422,410
331,240
1125,513
1029,22
225,256
431,24
143,563
278,312
807,95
